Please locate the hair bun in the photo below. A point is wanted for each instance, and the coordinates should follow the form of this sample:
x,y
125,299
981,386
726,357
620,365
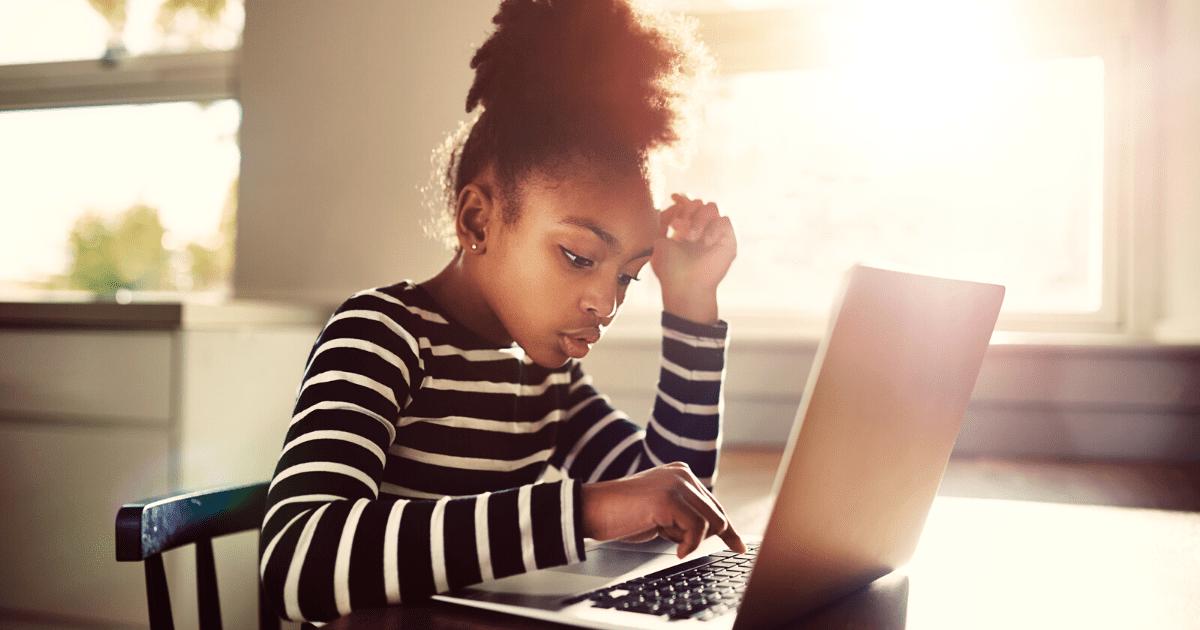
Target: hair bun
x,y
599,79
605,64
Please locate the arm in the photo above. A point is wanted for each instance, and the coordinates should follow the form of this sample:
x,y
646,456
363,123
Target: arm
x,y
598,442
329,544
669,500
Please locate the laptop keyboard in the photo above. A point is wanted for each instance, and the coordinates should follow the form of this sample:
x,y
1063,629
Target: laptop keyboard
x,y
703,588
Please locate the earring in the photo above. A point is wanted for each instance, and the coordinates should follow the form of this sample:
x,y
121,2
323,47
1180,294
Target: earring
x,y
474,246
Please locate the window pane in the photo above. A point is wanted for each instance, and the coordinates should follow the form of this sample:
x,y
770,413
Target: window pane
x,y
140,197
67,30
994,174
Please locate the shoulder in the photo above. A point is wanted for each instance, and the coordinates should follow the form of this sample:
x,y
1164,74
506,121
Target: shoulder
x,y
403,302
403,306
394,317
408,311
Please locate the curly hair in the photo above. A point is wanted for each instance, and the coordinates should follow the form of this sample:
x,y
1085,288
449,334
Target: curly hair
x,y
604,80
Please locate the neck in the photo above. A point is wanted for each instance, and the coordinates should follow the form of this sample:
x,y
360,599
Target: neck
x,y
458,291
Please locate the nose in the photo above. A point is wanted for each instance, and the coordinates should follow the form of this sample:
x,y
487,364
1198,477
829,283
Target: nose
x,y
601,299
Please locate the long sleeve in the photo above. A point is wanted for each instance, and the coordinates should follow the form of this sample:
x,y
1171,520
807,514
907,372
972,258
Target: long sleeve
x,y
333,542
599,442
412,461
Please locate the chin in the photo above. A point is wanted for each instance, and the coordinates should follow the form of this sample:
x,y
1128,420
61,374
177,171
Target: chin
x,y
553,361
547,356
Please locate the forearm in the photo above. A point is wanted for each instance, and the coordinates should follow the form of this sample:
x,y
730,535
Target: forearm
x,y
686,421
695,306
598,442
337,556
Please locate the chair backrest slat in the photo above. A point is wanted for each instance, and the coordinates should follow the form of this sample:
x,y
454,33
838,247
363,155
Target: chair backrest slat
x,y
206,586
147,528
158,599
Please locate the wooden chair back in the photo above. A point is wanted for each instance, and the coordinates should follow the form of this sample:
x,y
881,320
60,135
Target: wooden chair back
x,y
147,528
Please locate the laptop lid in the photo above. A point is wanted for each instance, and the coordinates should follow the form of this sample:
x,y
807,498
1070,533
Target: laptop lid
x,y
879,416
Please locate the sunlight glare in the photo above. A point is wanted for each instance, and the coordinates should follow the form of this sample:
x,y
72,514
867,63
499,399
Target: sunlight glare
x,y
916,66
930,139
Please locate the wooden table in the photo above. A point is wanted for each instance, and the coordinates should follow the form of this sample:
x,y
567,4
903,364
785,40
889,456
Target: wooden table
x,y
981,563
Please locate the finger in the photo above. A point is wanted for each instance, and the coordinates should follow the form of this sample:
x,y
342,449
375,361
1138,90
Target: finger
x,y
708,507
729,534
679,207
694,532
684,209
720,231
733,540
665,218
684,524
719,523
699,499
700,220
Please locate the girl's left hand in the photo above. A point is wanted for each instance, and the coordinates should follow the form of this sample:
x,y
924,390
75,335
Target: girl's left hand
x,y
691,261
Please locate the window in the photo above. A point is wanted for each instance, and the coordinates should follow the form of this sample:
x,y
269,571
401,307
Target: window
x,y
120,171
982,140
997,178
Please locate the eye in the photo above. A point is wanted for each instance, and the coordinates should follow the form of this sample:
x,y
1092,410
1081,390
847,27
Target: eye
x,y
577,260
624,279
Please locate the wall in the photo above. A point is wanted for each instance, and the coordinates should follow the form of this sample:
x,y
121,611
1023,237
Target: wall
x,y
1096,402
343,103
1179,94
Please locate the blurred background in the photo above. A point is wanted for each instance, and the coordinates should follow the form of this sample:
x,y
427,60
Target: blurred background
x,y
189,187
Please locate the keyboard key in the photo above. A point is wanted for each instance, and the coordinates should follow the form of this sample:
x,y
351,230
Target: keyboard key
x,y
702,588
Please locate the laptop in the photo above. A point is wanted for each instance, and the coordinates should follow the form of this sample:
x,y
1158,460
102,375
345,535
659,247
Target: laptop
x,y
879,416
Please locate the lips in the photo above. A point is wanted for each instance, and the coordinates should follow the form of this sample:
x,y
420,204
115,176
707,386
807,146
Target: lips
x,y
577,343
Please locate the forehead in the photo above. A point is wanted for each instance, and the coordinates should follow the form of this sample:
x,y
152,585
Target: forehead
x,y
619,205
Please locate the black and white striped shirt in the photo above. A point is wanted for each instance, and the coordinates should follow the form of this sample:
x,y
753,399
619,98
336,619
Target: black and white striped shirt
x,y
413,460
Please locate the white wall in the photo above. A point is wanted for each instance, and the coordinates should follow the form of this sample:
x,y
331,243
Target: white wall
x,y
1179,89
343,103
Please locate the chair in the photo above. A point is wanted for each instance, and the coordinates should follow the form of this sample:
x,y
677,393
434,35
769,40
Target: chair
x,y
145,529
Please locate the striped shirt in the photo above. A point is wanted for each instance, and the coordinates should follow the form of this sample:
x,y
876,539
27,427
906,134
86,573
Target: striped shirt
x,y
414,461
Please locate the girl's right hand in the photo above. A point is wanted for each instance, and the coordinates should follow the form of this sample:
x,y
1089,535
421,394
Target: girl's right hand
x,y
667,501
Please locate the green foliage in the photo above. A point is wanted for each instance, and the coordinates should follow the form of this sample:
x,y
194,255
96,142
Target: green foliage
x,y
126,255
113,12
208,10
210,267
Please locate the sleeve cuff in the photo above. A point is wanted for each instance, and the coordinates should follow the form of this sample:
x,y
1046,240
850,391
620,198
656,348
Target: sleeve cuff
x,y
718,330
573,537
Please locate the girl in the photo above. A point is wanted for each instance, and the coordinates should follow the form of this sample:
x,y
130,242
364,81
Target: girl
x,y
429,412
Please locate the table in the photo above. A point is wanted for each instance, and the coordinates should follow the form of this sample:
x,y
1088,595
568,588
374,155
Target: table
x,y
981,563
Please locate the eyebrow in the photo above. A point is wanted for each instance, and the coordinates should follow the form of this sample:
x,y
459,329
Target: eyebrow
x,y
603,235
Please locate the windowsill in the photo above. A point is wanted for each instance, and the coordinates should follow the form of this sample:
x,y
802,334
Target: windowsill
x,y
635,327
166,315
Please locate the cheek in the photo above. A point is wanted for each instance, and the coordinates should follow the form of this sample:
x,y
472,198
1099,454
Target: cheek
x,y
533,280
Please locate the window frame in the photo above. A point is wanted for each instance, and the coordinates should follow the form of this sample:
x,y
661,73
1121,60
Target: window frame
x,y
195,76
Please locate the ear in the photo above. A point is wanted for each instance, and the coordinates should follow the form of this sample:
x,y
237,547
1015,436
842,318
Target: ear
x,y
477,211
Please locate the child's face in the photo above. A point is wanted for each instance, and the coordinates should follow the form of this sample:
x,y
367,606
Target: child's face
x,y
558,273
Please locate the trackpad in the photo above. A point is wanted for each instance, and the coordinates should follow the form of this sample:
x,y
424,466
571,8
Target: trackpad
x,y
610,562
547,588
